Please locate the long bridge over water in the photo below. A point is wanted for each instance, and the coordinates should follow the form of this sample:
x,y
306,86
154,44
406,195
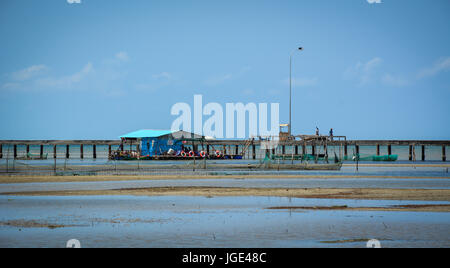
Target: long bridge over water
x,y
235,147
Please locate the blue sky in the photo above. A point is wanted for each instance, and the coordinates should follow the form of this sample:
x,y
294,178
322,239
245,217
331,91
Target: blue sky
x,y
99,69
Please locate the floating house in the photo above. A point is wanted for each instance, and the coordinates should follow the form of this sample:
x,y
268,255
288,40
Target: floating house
x,y
154,143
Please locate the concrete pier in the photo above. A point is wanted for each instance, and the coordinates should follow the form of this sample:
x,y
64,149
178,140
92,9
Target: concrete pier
x,y
286,148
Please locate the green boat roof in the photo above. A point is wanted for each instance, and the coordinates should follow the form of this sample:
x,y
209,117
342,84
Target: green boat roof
x,y
146,133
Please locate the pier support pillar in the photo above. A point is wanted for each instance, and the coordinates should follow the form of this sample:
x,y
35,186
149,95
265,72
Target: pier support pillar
x,y
304,149
28,149
81,151
207,149
224,150
273,151
41,152
345,151
410,153
253,152
67,151
423,152
94,151
236,149
110,150
389,149
378,149
54,151
15,151
357,149
1,151
283,150
314,149
296,150
444,157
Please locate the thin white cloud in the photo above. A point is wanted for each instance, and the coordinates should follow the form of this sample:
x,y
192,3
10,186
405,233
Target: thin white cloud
x,y
11,85
248,92
363,72
368,72
220,79
29,72
374,1
438,67
396,81
217,80
74,1
122,56
163,75
69,80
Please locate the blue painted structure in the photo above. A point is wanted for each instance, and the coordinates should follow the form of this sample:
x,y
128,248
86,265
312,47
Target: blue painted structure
x,y
155,142
158,146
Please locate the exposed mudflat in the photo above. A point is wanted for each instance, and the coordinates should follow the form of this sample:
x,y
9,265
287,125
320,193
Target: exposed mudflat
x,y
318,193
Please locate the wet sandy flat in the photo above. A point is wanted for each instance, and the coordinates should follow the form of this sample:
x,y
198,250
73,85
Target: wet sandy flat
x,y
401,206
319,193
183,221
289,183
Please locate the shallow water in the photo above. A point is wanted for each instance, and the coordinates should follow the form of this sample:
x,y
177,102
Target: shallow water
x,y
101,167
127,221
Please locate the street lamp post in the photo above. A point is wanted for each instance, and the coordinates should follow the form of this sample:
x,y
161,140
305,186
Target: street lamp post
x,y
290,90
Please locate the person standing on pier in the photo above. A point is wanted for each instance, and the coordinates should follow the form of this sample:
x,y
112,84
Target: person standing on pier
x,y
331,134
317,131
